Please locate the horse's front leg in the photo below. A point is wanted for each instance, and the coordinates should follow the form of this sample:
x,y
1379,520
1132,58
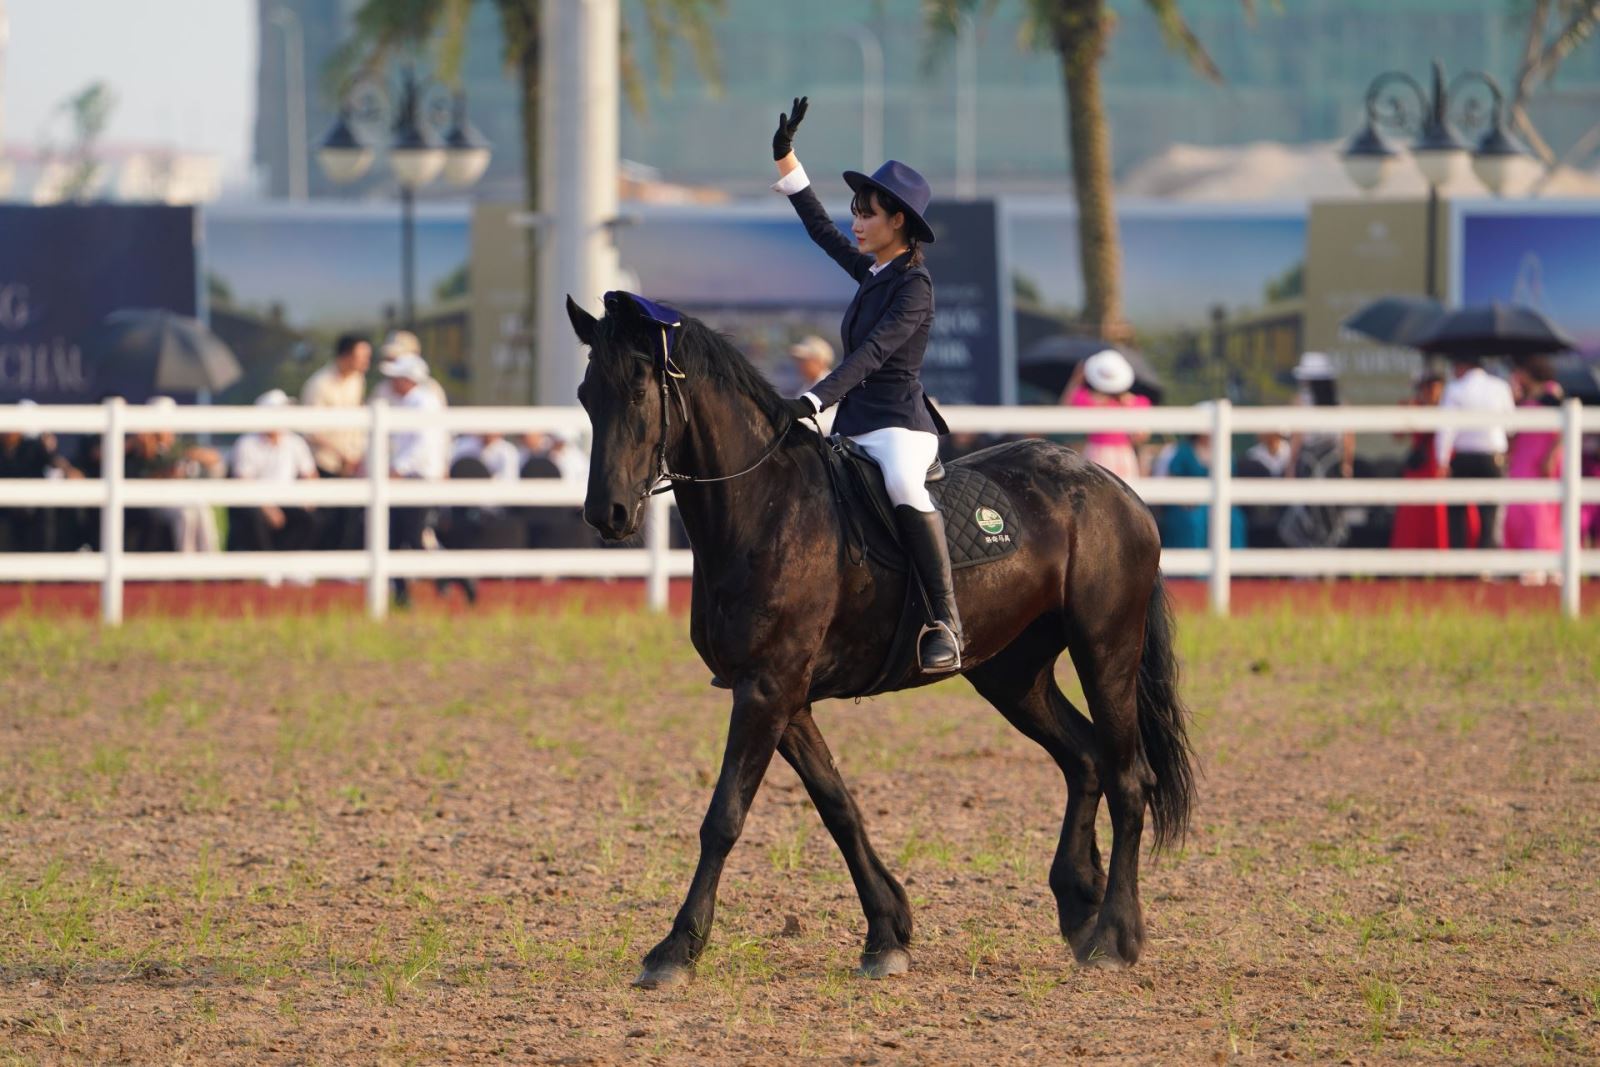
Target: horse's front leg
x,y
761,713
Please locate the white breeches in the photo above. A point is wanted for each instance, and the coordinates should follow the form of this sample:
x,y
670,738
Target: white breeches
x,y
904,456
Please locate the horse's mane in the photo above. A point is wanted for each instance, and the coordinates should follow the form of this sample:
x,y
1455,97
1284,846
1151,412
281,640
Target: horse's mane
x,y
701,353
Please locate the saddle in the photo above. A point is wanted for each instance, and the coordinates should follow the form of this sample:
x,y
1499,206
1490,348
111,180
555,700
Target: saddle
x,y
976,529
973,506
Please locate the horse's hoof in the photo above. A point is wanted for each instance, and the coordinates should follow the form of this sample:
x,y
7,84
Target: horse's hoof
x,y
1100,951
883,964
666,976
1078,937
1097,959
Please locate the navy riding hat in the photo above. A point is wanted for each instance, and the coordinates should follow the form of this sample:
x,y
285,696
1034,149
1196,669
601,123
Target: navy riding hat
x,y
906,186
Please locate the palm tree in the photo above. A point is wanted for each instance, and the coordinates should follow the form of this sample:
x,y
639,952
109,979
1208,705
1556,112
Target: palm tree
x,y
1079,32
384,28
1554,29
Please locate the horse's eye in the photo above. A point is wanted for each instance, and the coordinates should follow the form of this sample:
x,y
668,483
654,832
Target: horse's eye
x,y
639,395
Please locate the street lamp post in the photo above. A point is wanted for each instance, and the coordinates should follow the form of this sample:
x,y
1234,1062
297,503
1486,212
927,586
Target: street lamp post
x,y
417,156
1397,103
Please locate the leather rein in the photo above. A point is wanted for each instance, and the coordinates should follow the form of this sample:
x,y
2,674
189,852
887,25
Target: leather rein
x,y
668,374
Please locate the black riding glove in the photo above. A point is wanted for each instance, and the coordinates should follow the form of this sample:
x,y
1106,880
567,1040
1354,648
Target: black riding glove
x,y
783,140
798,408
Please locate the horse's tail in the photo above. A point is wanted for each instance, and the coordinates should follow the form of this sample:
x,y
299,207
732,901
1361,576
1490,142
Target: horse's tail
x,y
1163,724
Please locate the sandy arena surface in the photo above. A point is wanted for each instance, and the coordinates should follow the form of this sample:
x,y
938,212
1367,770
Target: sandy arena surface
x,y
450,838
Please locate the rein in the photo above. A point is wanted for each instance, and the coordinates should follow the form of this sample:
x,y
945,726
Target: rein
x,y
665,477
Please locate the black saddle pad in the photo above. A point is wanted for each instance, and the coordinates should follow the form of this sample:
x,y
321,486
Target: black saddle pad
x,y
979,520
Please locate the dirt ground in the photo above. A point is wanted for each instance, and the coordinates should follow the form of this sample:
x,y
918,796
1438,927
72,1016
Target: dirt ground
x,y
450,838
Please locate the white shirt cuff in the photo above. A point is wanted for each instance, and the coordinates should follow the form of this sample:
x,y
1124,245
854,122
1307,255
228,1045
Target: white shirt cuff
x,y
792,182
814,401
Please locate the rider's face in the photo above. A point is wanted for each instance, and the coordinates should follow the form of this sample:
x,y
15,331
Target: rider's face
x,y
876,232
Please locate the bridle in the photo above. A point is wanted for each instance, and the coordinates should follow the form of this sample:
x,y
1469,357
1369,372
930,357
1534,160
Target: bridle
x,y
668,375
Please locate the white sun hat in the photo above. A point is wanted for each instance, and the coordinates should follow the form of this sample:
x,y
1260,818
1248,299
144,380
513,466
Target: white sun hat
x,y
273,398
1314,367
411,368
400,343
1108,371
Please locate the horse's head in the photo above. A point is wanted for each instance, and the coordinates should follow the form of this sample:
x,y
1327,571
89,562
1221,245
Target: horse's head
x,y
622,393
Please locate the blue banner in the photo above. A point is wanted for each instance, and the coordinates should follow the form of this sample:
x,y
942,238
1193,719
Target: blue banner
x,y
63,269
963,364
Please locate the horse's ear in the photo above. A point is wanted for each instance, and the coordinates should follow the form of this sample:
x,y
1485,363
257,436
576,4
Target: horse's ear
x,y
583,323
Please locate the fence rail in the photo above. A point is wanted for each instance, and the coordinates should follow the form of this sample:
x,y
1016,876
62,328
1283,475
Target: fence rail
x,y
657,562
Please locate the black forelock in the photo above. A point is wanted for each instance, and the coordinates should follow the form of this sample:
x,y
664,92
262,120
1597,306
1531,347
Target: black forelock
x,y
701,353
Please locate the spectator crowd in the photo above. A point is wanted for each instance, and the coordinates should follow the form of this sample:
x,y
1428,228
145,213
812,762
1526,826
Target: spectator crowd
x,y
1106,379
403,378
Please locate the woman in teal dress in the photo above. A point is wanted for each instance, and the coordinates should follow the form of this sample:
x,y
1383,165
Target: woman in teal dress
x,y
1188,525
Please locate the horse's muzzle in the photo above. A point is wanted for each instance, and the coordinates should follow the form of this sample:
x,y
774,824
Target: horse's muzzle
x,y
614,521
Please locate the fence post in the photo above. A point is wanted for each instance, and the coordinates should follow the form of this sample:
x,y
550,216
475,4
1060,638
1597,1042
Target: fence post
x,y
1571,505
657,539
1221,531
378,511
113,448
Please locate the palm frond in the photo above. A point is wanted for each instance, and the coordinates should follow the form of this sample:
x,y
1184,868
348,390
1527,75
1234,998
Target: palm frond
x,y
941,23
383,29
1037,30
1181,38
453,39
1582,22
670,22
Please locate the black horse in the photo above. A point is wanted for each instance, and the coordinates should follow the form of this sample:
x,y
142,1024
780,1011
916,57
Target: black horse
x,y
781,613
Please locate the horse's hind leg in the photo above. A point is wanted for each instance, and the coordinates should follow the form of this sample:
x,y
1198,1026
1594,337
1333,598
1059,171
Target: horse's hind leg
x,y
1020,682
1108,666
884,901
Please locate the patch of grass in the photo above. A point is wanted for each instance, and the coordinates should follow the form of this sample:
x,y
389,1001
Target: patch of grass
x,y
981,944
935,849
789,850
1382,1001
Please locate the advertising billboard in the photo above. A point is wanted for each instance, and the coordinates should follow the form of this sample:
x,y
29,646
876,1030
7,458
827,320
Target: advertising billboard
x,y
1544,254
63,269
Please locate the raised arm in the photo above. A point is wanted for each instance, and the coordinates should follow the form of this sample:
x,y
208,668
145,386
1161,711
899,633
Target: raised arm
x,y
910,311
793,183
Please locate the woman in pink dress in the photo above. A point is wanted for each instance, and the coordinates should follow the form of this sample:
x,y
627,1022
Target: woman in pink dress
x,y
1534,455
1104,380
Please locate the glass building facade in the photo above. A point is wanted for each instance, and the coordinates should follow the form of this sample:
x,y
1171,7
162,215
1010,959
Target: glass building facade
x,y
1293,75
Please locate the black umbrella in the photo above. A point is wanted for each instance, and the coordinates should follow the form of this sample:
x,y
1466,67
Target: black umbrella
x,y
1396,320
1493,330
143,350
1050,362
1578,377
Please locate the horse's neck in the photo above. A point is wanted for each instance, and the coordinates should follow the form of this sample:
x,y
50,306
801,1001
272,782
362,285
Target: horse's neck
x,y
724,437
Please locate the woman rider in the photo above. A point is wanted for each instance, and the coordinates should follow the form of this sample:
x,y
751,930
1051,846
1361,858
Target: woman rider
x,y
877,385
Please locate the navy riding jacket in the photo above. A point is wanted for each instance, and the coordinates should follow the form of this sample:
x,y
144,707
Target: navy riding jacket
x,y
885,331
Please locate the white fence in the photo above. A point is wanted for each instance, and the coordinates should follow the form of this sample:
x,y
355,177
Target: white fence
x,y
112,567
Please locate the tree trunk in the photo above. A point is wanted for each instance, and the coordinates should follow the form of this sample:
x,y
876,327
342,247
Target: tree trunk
x,y
520,24
1082,31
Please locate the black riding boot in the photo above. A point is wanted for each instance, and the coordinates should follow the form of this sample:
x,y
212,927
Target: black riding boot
x,y
939,647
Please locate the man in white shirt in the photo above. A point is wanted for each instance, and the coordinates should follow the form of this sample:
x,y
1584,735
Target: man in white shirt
x,y
813,360
420,453
398,345
1473,453
275,456
340,453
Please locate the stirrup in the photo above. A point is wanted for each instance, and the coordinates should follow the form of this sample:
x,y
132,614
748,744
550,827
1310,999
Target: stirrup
x,y
935,627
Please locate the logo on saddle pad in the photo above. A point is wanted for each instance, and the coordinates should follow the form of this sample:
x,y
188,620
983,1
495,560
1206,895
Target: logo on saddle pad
x,y
992,523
